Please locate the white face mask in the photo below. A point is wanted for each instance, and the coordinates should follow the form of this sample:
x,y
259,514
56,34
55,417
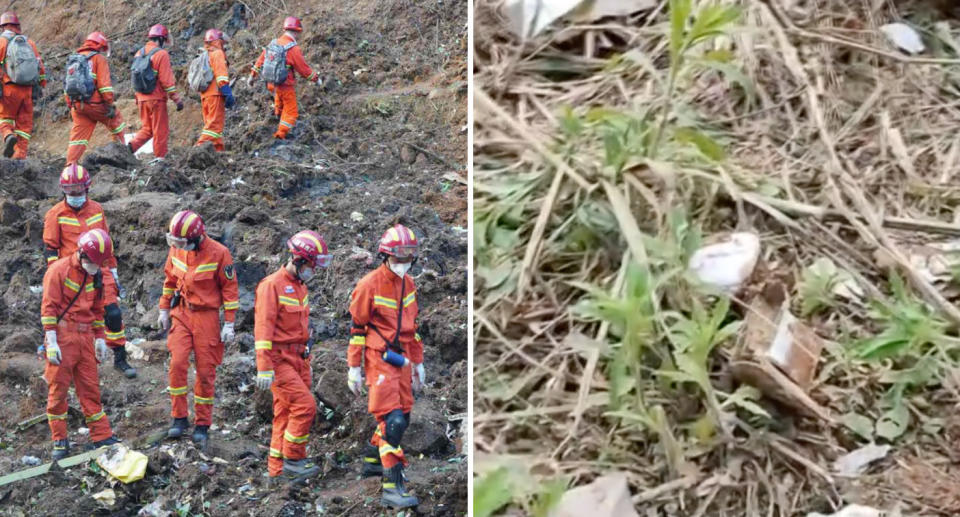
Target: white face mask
x,y
76,201
305,274
91,268
400,269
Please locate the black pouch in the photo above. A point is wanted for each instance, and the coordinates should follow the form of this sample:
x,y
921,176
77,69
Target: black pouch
x,y
175,300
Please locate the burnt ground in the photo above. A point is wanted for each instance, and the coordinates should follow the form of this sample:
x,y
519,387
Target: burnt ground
x,y
381,143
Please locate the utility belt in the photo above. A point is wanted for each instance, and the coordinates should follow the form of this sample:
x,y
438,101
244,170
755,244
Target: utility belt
x,y
74,326
296,348
179,301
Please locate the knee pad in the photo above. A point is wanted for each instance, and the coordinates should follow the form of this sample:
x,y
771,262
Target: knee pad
x,y
396,425
113,318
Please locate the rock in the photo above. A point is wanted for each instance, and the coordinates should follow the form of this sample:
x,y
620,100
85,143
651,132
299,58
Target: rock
x,y
427,433
408,154
21,367
10,212
24,341
113,154
18,293
202,156
252,215
33,230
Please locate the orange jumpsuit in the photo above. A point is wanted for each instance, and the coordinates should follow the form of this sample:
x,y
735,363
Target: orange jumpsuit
x,y
16,107
285,95
81,324
206,281
87,114
374,306
153,106
212,101
62,227
281,329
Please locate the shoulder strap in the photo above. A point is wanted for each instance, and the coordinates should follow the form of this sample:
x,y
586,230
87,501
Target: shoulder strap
x,y
153,51
79,291
290,45
91,54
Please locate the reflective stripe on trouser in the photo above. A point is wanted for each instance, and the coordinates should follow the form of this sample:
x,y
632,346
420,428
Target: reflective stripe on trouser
x,y
155,124
78,365
293,408
116,339
197,332
390,456
16,116
85,119
213,113
285,102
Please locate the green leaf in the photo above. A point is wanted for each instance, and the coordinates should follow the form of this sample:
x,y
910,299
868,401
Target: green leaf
x,y
859,424
744,398
550,494
679,12
894,422
492,491
735,75
706,145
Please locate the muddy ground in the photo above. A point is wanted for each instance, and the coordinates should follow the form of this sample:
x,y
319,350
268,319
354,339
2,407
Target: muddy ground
x,y
382,142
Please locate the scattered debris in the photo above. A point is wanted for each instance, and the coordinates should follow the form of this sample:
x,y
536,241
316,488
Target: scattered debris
x,y
32,421
106,497
854,510
608,496
728,263
904,37
122,463
30,461
530,17
356,216
856,462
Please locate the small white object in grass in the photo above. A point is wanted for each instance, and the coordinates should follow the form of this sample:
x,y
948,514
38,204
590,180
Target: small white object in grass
x,y
30,461
529,17
237,181
856,462
854,510
726,265
356,216
904,37
36,289
83,431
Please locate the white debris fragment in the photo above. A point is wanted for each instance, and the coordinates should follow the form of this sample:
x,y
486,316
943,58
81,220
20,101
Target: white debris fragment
x,y
83,431
727,264
30,461
903,37
356,216
856,462
107,497
237,181
854,510
36,289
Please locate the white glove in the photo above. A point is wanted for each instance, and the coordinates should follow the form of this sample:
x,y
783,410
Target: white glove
x,y
264,380
354,379
226,333
419,377
121,292
164,319
53,349
100,349
319,82
249,80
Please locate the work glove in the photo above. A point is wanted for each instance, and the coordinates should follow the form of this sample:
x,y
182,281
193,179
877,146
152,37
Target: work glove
x,y
319,82
250,79
179,105
354,379
111,111
264,380
419,377
121,292
227,92
53,349
226,333
100,349
164,319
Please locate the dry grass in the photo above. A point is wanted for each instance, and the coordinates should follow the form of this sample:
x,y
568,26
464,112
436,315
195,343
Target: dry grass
x,y
833,145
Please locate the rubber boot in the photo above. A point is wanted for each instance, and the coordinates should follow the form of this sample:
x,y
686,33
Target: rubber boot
x,y
130,148
106,442
120,362
394,493
299,470
61,448
200,436
371,463
8,144
179,427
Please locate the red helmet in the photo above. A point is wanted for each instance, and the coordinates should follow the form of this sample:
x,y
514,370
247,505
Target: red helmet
x,y
185,226
158,31
9,18
98,39
96,245
292,23
399,242
309,246
212,35
74,174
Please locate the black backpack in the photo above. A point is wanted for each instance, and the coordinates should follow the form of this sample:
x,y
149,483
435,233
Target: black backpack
x,y
142,72
78,83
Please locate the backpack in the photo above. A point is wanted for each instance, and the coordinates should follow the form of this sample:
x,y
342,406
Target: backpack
x,y
200,74
22,65
142,72
275,62
78,83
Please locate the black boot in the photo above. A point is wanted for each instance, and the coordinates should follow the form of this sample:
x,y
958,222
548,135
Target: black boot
x,y
8,144
200,435
394,493
107,442
120,362
371,462
130,148
61,448
299,470
179,427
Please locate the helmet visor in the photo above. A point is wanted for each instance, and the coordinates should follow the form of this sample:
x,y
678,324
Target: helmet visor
x,y
405,252
74,190
176,242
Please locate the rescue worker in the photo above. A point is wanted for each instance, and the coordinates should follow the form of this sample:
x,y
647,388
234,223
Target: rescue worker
x,y
385,341
16,106
62,227
72,318
100,107
218,94
282,339
153,106
285,95
199,279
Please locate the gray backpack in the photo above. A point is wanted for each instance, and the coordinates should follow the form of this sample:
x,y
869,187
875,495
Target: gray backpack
x,y
22,65
142,72
275,62
78,82
200,74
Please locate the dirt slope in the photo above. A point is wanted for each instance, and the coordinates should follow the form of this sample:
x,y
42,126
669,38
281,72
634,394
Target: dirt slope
x,y
381,143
